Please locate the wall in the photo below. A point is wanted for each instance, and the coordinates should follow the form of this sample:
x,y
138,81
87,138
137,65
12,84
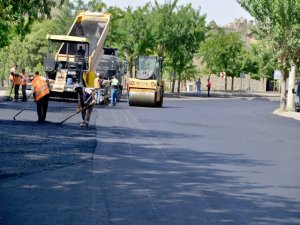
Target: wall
x,y
218,84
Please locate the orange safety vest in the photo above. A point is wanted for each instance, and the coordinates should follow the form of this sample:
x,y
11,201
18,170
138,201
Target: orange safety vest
x,y
16,80
40,86
24,79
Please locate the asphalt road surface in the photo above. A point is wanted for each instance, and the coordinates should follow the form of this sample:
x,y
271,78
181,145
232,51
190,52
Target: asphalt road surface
x,y
194,161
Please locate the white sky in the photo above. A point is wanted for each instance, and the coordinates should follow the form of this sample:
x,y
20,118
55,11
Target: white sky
x,y
221,11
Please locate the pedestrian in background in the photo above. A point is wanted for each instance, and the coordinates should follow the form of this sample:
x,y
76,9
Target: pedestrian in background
x,y
24,84
41,90
114,91
198,85
86,102
208,87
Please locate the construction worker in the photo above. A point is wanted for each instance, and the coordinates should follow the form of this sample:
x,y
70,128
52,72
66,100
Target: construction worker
x,y
114,84
16,81
24,84
41,91
97,87
81,51
86,102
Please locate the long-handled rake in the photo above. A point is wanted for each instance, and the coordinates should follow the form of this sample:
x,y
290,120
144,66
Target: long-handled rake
x,y
24,109
8,98
74,114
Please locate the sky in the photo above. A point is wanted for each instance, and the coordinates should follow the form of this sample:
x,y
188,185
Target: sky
x,y
221,11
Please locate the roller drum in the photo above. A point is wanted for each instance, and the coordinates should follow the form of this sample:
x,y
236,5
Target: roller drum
x,y
142,98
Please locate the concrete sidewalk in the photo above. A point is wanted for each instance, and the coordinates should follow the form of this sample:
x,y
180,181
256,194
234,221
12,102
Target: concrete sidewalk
x,y
222,94
289,114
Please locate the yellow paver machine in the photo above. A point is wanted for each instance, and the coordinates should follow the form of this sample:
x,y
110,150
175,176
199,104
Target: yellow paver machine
x,y
79,54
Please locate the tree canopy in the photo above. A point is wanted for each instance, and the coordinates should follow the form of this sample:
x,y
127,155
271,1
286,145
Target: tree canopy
x,y
174,32
222,52
16,17
278,25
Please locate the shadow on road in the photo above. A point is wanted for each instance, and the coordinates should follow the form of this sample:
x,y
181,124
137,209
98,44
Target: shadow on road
x,y
132,183
28,147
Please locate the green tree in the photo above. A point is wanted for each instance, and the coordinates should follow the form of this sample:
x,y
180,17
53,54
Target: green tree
x,y
96,6
16,17
277,23
36,43
222,52
179,32
262,60
4,61
131,32
29,51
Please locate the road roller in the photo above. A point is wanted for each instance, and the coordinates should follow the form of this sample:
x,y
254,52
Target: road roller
x,y
147,86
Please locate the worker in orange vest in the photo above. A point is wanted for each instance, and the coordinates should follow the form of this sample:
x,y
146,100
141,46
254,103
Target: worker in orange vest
x,y
16,81
24,84
41,91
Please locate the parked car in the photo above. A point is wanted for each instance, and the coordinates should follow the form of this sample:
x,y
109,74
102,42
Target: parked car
x,y
296,91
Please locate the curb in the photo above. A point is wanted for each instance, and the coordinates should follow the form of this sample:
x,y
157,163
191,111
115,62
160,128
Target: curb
x,y
222,94
289,114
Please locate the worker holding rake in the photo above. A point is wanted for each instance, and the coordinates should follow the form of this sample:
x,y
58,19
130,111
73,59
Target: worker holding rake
x,y
86,102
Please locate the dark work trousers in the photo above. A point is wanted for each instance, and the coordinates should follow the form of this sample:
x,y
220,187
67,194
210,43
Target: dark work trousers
x,y
208,92
17,91
86,113
24,97
41,107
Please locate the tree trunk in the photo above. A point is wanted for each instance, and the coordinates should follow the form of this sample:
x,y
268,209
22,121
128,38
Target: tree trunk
x,y
283,90
225,83
232,82
130,63
178,84
130,71
290,105
2,82
173,82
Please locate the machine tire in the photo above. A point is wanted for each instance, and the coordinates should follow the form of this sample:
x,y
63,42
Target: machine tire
x,y
159,103
129,102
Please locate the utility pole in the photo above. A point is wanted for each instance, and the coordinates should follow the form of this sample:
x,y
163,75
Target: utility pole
x,y
290,106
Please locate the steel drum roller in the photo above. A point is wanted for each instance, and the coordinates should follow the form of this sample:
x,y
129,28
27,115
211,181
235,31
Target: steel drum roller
x,y
139,98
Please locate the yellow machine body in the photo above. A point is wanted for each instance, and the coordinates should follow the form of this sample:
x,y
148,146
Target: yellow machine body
x,y
147,88
66,66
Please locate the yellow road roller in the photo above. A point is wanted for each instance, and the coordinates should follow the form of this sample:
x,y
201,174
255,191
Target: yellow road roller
x,y
147,87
